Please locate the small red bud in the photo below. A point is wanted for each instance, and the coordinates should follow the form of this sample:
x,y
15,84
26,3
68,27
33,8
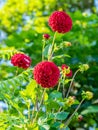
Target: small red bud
x,y
46,36
80,118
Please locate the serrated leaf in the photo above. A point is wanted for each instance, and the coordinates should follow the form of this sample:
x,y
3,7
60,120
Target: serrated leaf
x,y
61,115
55,95
56,124
52,105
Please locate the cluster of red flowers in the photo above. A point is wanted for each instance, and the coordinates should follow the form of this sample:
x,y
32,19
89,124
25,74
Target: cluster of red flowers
x,y
47,73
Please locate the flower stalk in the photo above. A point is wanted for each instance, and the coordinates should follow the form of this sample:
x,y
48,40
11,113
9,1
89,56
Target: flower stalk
x,y
34,120
70,118
72,82
52,47
44,42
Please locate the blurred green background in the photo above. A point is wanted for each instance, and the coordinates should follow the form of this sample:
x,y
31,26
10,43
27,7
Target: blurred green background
x,y
22,24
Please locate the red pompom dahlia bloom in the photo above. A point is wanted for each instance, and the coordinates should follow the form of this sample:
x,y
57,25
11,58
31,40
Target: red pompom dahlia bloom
x,y
46,74
66,70
60,21
21,60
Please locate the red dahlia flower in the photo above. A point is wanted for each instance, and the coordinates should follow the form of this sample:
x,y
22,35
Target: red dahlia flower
x,y
46,74
46,36
21,60
60,21
66,70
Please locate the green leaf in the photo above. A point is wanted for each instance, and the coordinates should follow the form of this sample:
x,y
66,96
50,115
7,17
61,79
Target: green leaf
x,y
15,81
30,90
41,128
90,109
61,56
52,105
7,52
67,81
47,50
55,95
61,115
42,123
45,97
67,128
56,124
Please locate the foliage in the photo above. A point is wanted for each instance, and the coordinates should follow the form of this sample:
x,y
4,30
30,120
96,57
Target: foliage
x,y
23,23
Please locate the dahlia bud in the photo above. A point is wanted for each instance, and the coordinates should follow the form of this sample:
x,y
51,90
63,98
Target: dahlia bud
x,y
67,44
46,74
70,101
87,95
66,70
84,67
21,60
60,22
80,118
46,36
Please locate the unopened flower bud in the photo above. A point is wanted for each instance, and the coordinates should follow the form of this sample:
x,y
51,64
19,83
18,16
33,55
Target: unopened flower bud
x,y
84,67
67,44
87,95
46,36
80,118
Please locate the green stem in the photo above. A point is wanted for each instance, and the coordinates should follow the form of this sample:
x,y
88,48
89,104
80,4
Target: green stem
x,y
29,110
17,70
63,86
72,82
52,47
59,109
58,88
35,106
69,119
44,42
34,120
62,92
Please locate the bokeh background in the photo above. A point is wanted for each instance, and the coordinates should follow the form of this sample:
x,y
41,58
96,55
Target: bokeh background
x,y
22,24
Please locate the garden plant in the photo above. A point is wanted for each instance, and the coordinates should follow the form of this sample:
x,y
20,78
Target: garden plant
x,y
39,85
50,108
